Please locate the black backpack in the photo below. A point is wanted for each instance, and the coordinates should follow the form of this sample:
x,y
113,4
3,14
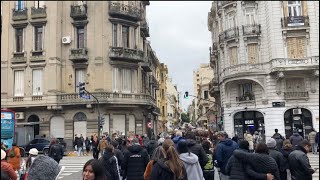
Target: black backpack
x,y
55,151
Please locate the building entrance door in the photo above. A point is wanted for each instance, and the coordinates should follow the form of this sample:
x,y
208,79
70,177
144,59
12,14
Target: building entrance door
x,y
299,120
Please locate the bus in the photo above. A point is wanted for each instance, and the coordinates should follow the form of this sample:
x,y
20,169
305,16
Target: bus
x,y
8,123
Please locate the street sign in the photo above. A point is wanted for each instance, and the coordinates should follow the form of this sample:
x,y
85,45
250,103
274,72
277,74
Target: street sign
x,y
278,104
149,124
85,96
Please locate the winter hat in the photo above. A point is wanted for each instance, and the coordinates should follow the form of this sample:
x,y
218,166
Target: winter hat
x,y
3,154
44,168
271,143
33,151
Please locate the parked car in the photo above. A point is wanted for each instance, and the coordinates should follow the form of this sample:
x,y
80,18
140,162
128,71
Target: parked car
x,y
42,145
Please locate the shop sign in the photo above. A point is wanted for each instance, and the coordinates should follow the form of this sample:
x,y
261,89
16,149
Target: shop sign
x,y
248,122
278,104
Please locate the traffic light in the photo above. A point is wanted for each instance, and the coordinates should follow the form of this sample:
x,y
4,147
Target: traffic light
x,y
82,89
186,95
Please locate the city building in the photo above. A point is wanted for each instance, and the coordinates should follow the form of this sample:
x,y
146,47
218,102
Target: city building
x,y
204,104
173,105
265,55
51,47
162,73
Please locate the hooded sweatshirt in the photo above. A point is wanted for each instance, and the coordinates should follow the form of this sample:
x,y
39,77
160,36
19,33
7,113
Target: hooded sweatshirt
x,y
224,151
191,163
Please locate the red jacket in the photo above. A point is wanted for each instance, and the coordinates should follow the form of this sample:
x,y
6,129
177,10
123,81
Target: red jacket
x,y
6,167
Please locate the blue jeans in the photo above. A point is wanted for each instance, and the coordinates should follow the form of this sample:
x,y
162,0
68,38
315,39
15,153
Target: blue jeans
x,y
314,148
79,151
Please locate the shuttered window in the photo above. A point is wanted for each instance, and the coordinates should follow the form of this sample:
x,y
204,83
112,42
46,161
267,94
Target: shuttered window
x,y
38,34
295,85
296,47
80,78
233,54
252,53
37,82
19,83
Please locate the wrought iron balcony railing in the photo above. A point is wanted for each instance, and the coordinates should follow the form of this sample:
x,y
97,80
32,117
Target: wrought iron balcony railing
x,y
145,28
229,34
117,9
78,11
251,30
78,55
295,21
21,14
120,53
38,12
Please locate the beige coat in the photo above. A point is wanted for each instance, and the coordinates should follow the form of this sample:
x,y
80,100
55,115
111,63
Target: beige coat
x,y
248,137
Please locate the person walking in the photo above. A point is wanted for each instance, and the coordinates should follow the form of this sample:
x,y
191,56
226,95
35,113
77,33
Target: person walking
x,y
295,138
6,167
33,153
277,134
110,163
135,161
286,150
93,170
95,144
312,140
248,137
79,145
299,164
145,140
157,155
88,145
170,167
259,165
55,151
177,138
277,155
208,169
152,145
190,161
223,152
14,157
279,139
103,143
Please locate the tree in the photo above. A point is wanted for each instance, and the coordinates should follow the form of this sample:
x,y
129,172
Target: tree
x,y
185,117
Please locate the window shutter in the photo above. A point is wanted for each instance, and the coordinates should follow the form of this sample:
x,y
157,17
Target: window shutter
x,y
37,82
19,83
296,47
233,56
252,53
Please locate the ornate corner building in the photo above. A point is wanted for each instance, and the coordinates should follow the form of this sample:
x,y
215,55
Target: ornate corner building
x,y
50,47
265,57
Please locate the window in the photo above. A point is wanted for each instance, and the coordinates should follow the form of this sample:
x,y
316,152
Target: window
x,y
80,37
295,85
19,83
19,40
233,53
38,42
162,93
163,113
37,82
125,80
296,47
38,4
135,38
134,81
116,79
80,78
125,36
114,35
231,21
252,53
294,8
206,95
144,84
246,92
250,17
20,5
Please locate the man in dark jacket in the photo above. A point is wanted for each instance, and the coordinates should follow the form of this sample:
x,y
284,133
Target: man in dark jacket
x,y
135,161
196,148
295,139
55,151
277,155
224,151
299,164
152,145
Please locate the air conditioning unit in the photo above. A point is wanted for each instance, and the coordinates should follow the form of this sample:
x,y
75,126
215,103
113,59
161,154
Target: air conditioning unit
x,y
19,115
296,111
66,40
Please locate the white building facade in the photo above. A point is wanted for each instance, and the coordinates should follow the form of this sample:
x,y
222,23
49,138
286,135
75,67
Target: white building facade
x,y
265,55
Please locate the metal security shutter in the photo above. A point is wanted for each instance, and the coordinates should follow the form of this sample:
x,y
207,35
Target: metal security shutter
x,y
106,124
119,124
80,127
57,127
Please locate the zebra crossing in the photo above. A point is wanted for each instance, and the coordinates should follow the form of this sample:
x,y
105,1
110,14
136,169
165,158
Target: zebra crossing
x,y
314,162
72,165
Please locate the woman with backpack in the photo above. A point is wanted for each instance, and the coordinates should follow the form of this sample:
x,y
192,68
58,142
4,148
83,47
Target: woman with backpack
x,y
170,167
110,163
156,156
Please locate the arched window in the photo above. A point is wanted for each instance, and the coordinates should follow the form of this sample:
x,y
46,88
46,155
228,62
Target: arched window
x,y
80,116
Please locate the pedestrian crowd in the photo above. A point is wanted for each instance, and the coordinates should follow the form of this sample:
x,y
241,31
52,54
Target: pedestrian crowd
x,y
181,156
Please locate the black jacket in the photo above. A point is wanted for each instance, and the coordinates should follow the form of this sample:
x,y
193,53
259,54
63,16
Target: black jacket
x,y
151,146
110,165
281,162
56,151
260,163
119,155
236,169
198,150
160,171
299,165
134,163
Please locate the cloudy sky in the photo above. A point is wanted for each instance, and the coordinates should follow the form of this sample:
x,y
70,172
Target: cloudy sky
x,y
179,35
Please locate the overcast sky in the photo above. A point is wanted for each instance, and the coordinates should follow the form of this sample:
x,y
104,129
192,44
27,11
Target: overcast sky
x,y
179,35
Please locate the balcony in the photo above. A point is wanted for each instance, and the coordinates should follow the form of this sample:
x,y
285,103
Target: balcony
x,y
156,110
126,54
146,66
145,28
154,82
287,64
79,12
222,4
18,15
251,30
295,21
108,98
229,34
296,95
38,12
245,69
119,10
79,55
214,89
248,97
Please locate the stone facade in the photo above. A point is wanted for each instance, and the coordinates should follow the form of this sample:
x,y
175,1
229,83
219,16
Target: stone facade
x,y
48,49
173,105
266,60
